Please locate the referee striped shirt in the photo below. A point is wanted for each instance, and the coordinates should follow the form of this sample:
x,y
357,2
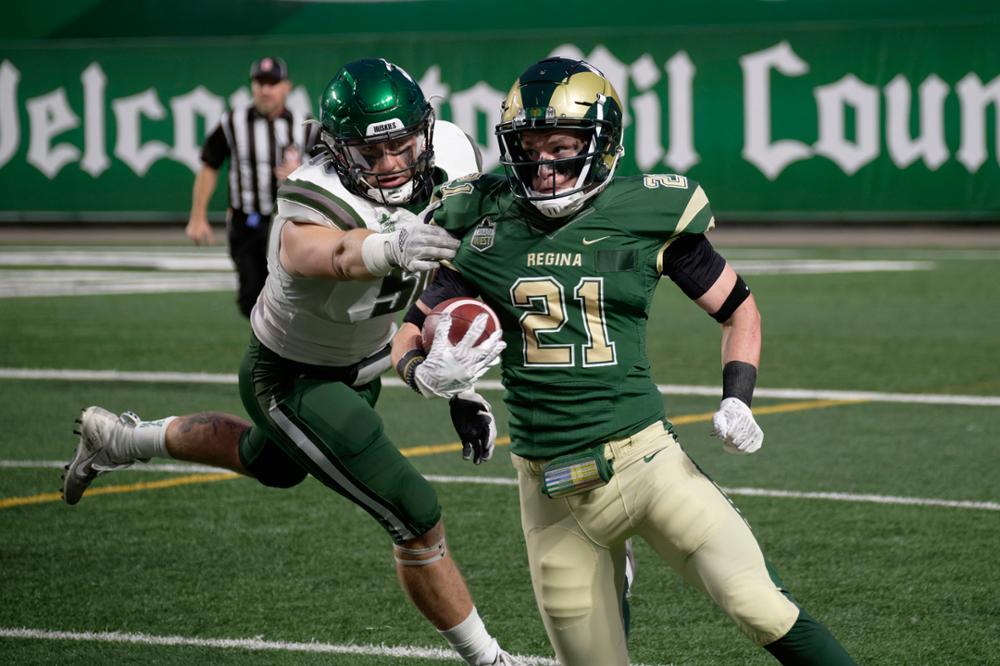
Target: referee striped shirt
x,y
255,145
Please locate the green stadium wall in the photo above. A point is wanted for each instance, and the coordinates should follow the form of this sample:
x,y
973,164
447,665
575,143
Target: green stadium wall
x,y
783,110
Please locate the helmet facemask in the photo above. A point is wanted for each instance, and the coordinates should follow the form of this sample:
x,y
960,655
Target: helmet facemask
x,y
360,161
551,193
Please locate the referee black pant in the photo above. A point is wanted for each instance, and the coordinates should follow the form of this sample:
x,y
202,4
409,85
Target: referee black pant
x,y
247,235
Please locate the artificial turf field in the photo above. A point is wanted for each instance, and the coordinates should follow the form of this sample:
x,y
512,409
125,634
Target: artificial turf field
x,y
879,505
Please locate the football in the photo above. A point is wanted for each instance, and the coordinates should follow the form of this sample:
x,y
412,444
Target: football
x,y
463,312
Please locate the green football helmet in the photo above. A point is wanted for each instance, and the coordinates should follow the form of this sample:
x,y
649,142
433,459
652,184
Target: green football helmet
x,y
559,93
379,129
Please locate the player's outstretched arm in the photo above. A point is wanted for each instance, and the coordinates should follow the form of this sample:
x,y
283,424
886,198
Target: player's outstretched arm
x,y
311,250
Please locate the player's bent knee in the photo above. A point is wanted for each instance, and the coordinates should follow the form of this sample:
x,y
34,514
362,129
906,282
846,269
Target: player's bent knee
x,y
760,610
280,478
567,565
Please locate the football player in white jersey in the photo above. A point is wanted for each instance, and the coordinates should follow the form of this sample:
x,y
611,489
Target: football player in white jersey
x,y
347,252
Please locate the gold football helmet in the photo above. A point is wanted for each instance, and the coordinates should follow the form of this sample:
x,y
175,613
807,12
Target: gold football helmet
x,y
564,94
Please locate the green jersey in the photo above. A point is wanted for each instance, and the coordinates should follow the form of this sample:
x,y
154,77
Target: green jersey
x,y
573,299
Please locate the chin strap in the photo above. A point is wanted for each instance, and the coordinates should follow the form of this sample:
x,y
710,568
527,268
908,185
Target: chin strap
x,y
394,197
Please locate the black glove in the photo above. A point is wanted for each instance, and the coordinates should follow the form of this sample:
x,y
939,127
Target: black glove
x,y
473,419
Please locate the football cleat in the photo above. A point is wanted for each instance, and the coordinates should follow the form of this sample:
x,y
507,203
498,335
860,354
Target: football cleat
x,y
101,434
505,659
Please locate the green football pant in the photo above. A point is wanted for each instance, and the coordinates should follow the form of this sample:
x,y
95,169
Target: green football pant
x,y
306,421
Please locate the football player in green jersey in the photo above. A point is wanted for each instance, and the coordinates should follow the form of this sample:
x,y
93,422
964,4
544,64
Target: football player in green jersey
x,y
568,257
346,254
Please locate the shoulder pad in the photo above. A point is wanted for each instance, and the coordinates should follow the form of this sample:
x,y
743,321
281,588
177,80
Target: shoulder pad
x,y
454,152
463,201
660,204
312,187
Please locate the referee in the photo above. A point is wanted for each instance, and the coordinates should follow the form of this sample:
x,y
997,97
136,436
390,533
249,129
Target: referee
x,y
263,145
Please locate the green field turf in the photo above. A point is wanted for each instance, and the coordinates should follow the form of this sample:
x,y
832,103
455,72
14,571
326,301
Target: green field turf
x,y
899,583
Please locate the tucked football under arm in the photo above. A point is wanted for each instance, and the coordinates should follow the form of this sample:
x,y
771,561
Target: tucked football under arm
x,y
407,351
447,283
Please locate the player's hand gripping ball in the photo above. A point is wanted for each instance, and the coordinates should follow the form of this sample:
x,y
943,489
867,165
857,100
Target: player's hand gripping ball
x,y
463,312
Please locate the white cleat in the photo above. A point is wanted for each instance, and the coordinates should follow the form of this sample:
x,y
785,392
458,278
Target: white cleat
x,y
101,434
505,659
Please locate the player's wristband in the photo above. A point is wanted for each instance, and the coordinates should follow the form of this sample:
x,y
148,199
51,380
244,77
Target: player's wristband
x,y
738,381
374,252
407,368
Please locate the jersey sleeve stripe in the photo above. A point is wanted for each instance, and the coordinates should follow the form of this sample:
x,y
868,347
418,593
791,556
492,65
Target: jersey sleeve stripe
x,y
299,200
290,195
696,203
339,210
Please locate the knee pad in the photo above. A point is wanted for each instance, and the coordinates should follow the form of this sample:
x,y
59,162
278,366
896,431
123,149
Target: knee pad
x,y
566,565
421,557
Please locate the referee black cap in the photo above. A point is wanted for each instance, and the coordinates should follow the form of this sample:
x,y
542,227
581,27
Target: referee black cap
x,y
269,69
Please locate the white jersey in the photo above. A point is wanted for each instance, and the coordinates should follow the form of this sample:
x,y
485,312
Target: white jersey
x,y
325,322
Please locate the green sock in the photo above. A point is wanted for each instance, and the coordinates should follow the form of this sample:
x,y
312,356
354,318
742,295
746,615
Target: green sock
x,y
809,643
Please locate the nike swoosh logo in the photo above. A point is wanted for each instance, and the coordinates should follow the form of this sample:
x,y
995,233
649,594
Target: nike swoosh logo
x,y
652,455
587,241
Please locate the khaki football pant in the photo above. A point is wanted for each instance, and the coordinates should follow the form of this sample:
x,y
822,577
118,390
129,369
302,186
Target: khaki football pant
x,y
576,548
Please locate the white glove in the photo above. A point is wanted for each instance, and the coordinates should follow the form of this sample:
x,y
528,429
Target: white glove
x,y
475,424
735,426
413,246
451,369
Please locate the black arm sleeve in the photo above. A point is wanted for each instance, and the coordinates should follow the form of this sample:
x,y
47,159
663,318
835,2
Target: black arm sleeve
x,y
692,263
447,283
216,149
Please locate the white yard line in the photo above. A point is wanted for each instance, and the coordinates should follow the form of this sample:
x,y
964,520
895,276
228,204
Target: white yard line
x,y
494,385
403,653
508,481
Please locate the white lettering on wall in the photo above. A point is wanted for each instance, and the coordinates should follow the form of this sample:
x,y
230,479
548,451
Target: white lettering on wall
x,y
682,154
10,126
465,109
129,148
435,92
975,97
831,101
929,144
50,116
648,143
758,149
95,154
186,110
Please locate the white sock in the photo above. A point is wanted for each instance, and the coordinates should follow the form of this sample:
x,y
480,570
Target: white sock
x,y
149,439
471,640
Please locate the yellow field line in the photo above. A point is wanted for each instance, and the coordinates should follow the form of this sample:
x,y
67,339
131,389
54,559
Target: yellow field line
x,y
125,488
799,406
409,452
432,449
